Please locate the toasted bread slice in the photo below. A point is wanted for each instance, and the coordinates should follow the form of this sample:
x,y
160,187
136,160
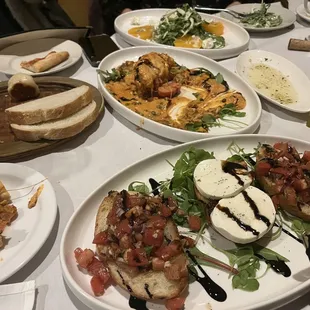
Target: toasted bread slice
x,y
148,284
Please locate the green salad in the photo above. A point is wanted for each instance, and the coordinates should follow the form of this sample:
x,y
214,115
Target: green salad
x,y
261,18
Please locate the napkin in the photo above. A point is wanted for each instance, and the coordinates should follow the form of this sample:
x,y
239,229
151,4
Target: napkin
x,y
18,296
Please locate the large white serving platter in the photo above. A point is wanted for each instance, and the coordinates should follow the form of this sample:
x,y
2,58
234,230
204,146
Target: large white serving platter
x,y
294,74
237,39
274,291
190,60
12,56
27,234
288,16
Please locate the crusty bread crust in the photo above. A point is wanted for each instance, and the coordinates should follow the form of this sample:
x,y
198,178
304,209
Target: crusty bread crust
x,y
46,113
22,132
43,64
158,286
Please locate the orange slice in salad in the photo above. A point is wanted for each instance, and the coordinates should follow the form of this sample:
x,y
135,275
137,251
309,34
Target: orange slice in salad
x,y
216,28
142,32
188,41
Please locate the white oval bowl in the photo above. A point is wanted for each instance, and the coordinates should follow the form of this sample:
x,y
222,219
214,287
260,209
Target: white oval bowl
x,y
274,291
237,39
296,76
190,60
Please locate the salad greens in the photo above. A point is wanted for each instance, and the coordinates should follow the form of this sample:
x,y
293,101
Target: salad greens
x,y
208,120
107,76
184,21
261,18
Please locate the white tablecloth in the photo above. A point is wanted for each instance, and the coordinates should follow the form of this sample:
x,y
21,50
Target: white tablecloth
x,y
80,166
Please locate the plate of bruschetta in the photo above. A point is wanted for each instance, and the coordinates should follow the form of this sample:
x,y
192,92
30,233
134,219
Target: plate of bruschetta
x,y
39,57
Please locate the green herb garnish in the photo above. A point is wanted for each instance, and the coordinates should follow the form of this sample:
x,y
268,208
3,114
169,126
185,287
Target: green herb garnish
x,y
107,76
139,187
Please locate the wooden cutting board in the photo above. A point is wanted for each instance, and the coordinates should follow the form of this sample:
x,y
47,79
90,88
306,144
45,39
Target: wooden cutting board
x,y
12,148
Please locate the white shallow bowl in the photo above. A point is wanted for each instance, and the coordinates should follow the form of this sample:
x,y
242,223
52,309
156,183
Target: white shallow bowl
x,y
190,60
29,231
296,76
12,56
288,16
274,291
302,13
237,39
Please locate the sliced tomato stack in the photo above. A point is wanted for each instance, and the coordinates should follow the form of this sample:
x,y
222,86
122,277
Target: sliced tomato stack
x,y
285,176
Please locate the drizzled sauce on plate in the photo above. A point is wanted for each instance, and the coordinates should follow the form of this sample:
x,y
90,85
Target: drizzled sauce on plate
x,y
272,83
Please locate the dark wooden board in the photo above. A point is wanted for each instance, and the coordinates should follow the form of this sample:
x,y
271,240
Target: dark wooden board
x,y
10,147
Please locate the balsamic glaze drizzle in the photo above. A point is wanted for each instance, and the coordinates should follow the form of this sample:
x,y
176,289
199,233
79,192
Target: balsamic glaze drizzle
x,y
278,266
146,287
214,290
155,186
136,303
238,221
290,234
124,283
253,206
230,167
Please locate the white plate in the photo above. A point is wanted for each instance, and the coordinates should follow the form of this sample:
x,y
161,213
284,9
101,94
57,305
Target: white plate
x,y
190,60
237,39
31,228
288,16
296,76
12,56
274,291
302,13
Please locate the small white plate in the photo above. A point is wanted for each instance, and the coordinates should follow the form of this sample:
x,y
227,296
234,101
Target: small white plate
x,y
302,13
288,16
296,76
274,290
237,39
190,60
29,231
12,56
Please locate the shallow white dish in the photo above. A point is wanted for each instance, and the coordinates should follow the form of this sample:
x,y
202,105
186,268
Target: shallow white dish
x,y
31,228
296,76
274,290
190,60
237,39
12,56
302,13
288,16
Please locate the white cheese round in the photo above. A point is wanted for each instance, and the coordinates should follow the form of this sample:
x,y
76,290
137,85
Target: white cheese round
x,y
242,226
213,183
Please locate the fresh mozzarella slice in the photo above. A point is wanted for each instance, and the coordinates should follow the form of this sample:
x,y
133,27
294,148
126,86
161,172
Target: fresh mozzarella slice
x,y
216,179
244,218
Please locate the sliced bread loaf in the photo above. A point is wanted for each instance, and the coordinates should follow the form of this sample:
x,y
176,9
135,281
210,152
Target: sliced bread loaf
x,y
50,108
58,129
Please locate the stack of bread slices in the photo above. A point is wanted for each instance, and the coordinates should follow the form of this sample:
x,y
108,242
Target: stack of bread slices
x,y
54,117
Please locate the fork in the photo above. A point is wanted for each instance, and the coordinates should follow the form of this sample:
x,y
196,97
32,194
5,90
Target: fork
x,y
231,12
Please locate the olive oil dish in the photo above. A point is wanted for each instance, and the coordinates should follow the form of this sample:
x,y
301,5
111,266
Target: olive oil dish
x,y
145,236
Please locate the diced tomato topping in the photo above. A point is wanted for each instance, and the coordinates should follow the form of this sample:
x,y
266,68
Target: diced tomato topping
x,y
262,168
194,222
101,238
172,203
176,269
305,196
77,253
97,268
84,258
137,257
156,221
158,264
165,211
175,303
300,185
166,252
188,242
134,200
280,170
153,237
276,201
97,285
123,228
282,146
125,242
289,198
112,216
306,156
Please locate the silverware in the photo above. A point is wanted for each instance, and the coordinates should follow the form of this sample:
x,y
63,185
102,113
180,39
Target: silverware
x,y
231,12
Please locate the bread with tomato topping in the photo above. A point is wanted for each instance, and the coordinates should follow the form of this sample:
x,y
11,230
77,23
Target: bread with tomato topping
x,y
137,238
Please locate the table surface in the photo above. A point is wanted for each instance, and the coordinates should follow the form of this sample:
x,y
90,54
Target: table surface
x,y
80,166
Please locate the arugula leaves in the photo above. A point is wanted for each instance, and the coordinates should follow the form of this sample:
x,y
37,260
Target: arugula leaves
x,y
139,187
240,155
209,120
107,76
